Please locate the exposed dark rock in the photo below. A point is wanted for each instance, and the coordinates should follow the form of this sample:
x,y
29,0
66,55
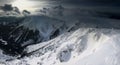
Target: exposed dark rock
x,y
15,37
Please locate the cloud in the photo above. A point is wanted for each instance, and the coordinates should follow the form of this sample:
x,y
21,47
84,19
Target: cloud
x,y
81,0
25,12
87,2
7,8
10,10
6,0
92,1
2,2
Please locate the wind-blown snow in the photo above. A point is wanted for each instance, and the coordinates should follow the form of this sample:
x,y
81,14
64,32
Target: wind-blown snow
x,y
85,46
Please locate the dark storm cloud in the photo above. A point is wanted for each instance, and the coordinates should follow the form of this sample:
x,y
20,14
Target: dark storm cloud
x,y
82,0
87,2
93,2
6,7
9,7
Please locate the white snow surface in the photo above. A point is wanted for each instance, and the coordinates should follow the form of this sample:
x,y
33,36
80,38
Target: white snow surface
x,y
85,46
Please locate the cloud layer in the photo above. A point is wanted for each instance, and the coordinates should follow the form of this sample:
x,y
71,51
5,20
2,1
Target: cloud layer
x,y
2,2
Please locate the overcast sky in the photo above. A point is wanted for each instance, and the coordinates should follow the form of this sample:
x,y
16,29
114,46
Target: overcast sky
x,y
30,4
5,1
72,1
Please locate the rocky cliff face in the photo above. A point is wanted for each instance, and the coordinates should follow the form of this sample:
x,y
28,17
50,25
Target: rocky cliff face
x,y
16,33
16,37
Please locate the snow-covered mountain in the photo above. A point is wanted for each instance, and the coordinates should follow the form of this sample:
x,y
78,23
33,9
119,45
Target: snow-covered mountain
x,y
72,44
85,37
85,46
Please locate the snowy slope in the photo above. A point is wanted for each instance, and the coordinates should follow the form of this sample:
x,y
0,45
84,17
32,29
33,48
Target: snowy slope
x,y
85,46
82,39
